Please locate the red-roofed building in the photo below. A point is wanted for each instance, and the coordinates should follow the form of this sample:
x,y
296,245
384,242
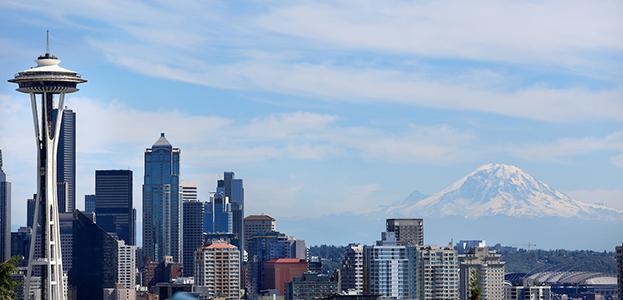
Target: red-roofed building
x,y
279,272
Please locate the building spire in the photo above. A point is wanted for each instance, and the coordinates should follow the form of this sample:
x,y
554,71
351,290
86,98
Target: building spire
x,y
47,42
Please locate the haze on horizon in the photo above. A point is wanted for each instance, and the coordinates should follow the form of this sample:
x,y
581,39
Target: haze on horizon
x,y
329,108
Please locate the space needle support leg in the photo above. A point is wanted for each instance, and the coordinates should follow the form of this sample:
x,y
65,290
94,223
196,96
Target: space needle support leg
x,y
35,221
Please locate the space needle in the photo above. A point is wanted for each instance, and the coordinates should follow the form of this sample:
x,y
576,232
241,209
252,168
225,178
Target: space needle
x,y
47,84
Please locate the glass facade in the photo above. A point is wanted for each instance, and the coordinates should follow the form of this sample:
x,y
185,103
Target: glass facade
x,y
66,162
113,191
162,208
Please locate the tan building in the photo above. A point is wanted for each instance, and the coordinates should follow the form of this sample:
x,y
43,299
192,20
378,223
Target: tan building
x,y
217,271
484,268
255,224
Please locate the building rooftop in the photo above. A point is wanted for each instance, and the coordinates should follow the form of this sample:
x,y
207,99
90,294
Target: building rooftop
x,y
259,218
162,141
221,246
286,260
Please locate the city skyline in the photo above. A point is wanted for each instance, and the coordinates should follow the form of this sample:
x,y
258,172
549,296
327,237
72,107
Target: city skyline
x,y
370,148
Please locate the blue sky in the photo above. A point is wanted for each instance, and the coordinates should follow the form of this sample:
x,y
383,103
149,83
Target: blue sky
x,y
329,107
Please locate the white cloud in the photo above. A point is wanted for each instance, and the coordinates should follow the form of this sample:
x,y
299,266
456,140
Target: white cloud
x,y
205,44
111,135
568,148
609,197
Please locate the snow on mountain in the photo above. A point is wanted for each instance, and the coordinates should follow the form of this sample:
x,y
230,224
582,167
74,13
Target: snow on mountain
x,y
499,189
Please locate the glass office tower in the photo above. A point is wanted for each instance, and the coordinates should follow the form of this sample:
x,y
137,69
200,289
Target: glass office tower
x,y
162,208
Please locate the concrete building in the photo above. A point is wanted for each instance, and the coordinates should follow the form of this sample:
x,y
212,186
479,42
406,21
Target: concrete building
x,y
279,272
528,292
255,224
390,268
114,208
126,265
407,231
438,276
310,286
217,271
351,270
5,215
162,208
484,268
189,191
119,292
193,233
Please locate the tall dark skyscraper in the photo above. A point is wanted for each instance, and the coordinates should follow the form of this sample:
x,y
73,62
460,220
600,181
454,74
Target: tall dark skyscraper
x,y
113,208
233,188
162,208
193,233
5,215
66,162
95,262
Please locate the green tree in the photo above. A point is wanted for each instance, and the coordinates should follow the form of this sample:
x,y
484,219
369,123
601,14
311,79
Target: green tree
x,y
474,285
7,285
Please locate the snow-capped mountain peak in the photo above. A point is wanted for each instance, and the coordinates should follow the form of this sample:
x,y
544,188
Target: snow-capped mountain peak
x,y
500,189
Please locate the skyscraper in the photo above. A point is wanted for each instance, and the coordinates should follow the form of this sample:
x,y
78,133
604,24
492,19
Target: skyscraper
x,y
193,233
408,231
218,215
390,268
89,203
113,191
255,224
162,208
5,215
66,161
351,270
438,276
217,271
100,262
233,188
483,268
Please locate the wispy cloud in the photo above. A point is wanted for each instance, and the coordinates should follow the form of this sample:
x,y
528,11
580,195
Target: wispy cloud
x,y
570,148
307,49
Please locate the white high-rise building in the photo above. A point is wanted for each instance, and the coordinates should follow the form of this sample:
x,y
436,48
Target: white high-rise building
x,y
483,268
351,271
189,191
126,265
390,269
217,271
438,273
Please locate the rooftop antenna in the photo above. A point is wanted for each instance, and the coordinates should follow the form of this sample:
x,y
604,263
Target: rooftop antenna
x,y
47,41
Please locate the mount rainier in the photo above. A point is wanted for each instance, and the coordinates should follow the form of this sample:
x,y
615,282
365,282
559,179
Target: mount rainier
x,y
499,189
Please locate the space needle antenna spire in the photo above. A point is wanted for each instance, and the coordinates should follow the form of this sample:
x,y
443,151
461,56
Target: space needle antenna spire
x,y
47,84
47,41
